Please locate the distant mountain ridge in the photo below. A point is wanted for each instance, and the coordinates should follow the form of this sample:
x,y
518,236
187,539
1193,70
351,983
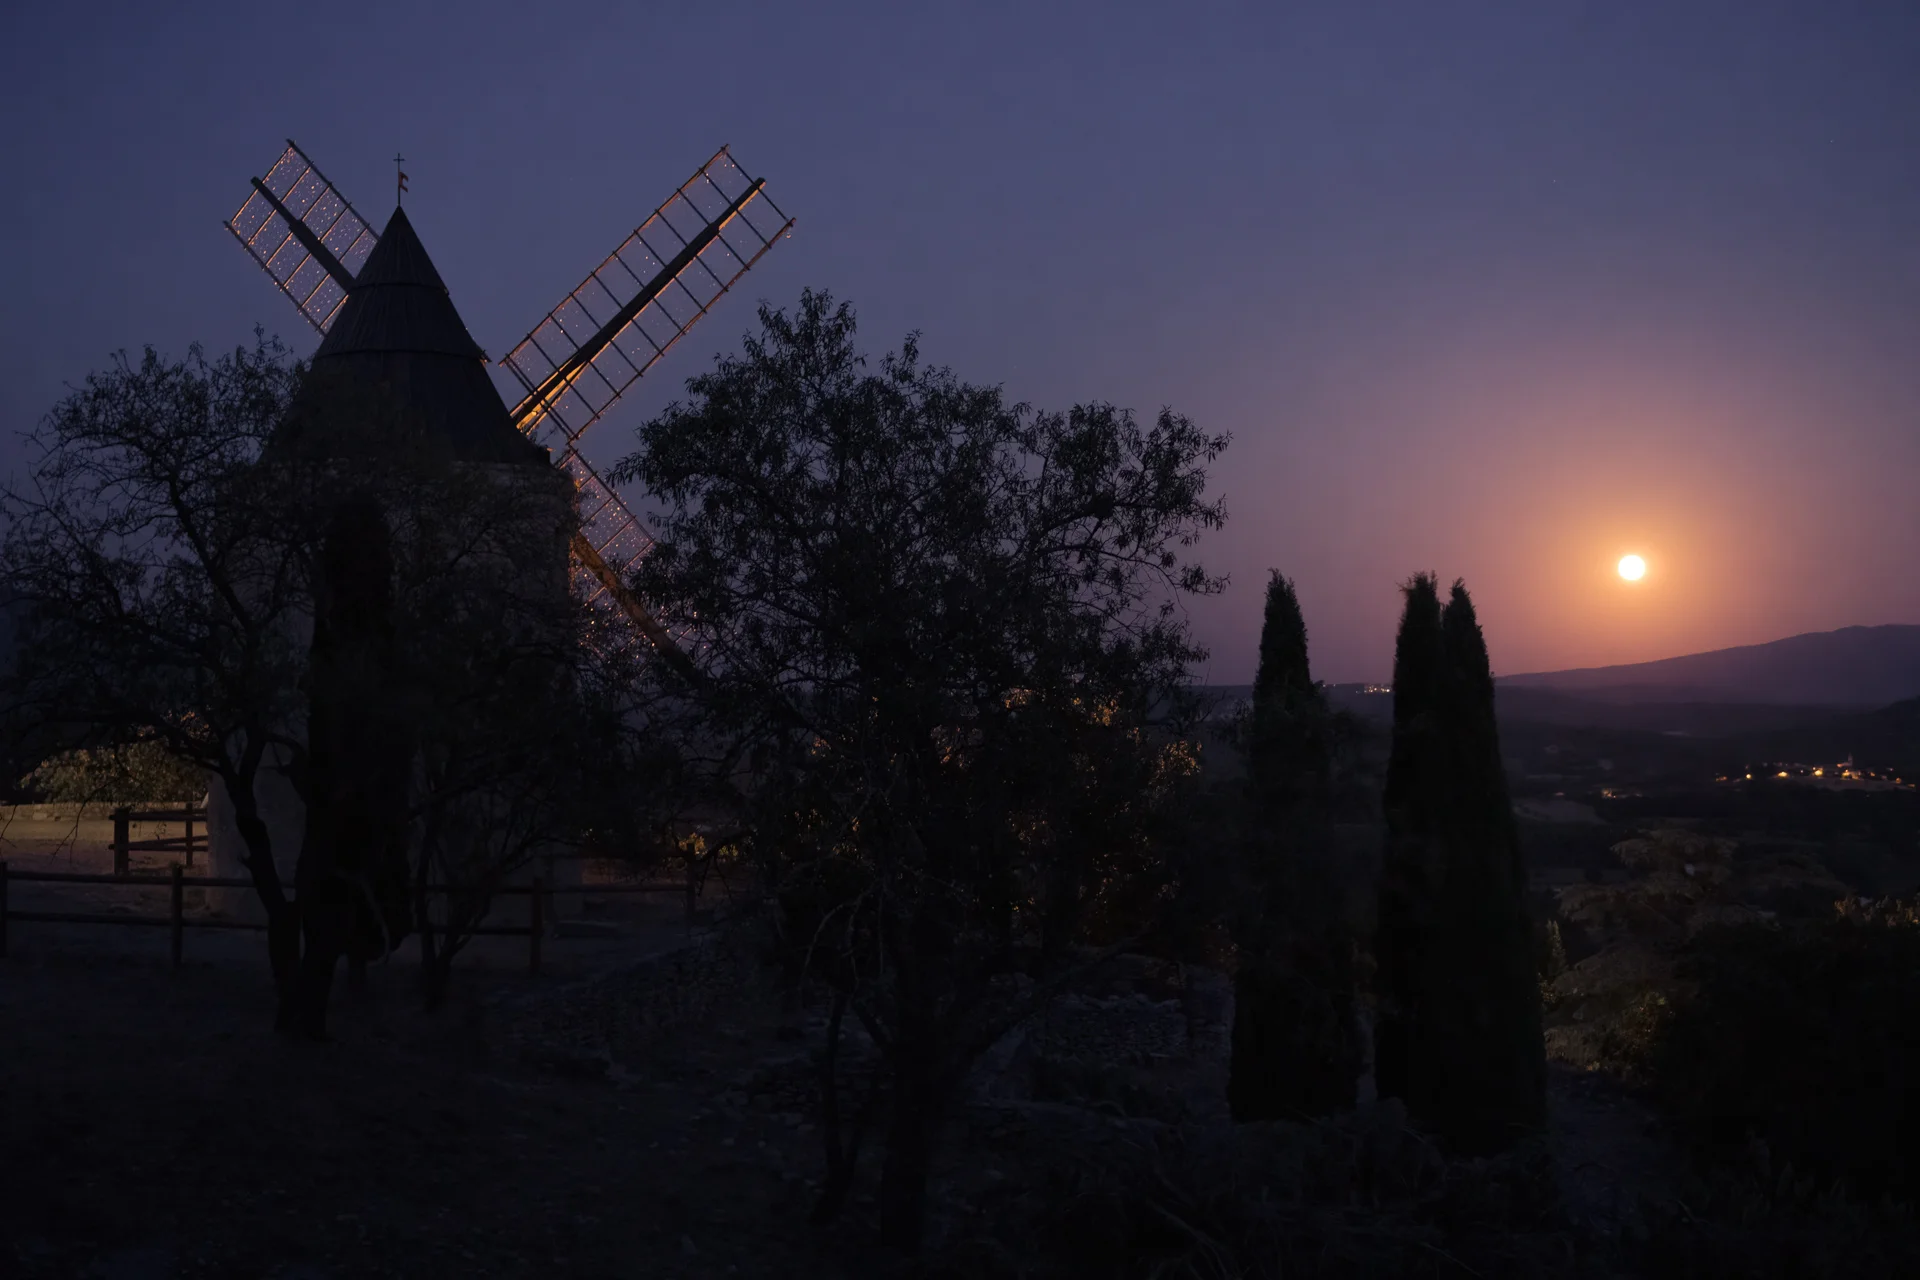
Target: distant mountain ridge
x,y
1852,667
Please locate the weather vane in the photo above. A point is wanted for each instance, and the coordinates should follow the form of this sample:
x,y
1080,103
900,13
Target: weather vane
x,y
400,195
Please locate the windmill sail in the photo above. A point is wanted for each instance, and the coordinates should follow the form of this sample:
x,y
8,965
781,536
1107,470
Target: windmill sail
x,y
607,527
305,235
588,350
635,305
607,333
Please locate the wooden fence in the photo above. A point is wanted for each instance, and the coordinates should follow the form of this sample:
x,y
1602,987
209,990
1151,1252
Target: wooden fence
x,y
176,921
185,843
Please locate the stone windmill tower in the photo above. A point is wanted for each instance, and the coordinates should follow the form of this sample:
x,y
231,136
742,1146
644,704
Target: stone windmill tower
x,y
392,337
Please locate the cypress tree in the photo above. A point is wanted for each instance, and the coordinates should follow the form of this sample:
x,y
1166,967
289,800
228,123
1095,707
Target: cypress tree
x,y
1411,868
1295,1049
1287,747
1458,1036
1492,1083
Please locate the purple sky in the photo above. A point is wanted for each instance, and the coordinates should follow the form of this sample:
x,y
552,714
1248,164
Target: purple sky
x,y
1500,290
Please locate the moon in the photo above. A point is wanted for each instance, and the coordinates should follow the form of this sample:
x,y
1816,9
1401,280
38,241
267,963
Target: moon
x,y
1632,568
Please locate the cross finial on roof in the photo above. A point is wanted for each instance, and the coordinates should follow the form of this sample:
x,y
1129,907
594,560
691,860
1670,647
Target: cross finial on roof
x,y
399,195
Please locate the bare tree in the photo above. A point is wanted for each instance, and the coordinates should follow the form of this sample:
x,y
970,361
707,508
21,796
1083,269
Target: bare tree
x,y
258,574
160,582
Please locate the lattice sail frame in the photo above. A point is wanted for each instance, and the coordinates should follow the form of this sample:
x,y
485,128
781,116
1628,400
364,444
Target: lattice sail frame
x,y
303,192
629,311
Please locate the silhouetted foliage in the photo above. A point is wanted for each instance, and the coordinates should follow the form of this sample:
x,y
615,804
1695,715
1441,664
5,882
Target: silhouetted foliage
x,y
1296,1049
352,875
1288,747
939,630
1608,1011
167,556
1459,1036
1413,866
1762,1221
1804,1039
152,606
1496,1084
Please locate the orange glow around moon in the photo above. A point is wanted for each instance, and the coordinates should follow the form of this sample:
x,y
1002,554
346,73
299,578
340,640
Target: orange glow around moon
x,y
1632,568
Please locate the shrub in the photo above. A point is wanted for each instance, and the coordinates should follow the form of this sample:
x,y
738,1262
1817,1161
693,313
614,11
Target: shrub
x,y
1762,1223
134,774
1608,1011
1804,1041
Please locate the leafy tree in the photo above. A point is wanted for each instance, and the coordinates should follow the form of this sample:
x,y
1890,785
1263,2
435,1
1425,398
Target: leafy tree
x,y
1296,1048
1459,1033
940,663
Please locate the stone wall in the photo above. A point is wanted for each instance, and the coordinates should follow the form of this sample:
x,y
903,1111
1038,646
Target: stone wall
x,y
1144,1040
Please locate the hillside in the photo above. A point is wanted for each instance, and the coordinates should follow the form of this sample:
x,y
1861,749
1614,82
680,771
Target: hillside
x,y
1852,667
1888,738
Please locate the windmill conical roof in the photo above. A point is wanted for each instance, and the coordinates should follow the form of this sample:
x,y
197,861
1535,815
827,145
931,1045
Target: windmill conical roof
x,y
399,335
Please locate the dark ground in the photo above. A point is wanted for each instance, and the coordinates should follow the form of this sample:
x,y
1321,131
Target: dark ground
x,y
151,1124
154,1126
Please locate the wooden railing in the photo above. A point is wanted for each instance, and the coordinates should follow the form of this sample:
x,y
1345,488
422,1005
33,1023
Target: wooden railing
x,y
185,843
176,921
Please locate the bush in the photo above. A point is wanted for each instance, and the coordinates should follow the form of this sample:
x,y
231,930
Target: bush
x,y
1758,1223
1804,1043
1609,1010
137,773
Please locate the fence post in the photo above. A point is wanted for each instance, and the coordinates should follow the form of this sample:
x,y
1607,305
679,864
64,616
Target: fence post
x,y
189,840
179,890
120,830
536,925
3,908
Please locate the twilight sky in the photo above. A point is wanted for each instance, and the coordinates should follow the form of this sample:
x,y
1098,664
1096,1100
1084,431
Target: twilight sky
x,y
1502,290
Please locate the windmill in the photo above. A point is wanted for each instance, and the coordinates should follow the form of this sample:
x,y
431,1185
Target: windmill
x,y
577,361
